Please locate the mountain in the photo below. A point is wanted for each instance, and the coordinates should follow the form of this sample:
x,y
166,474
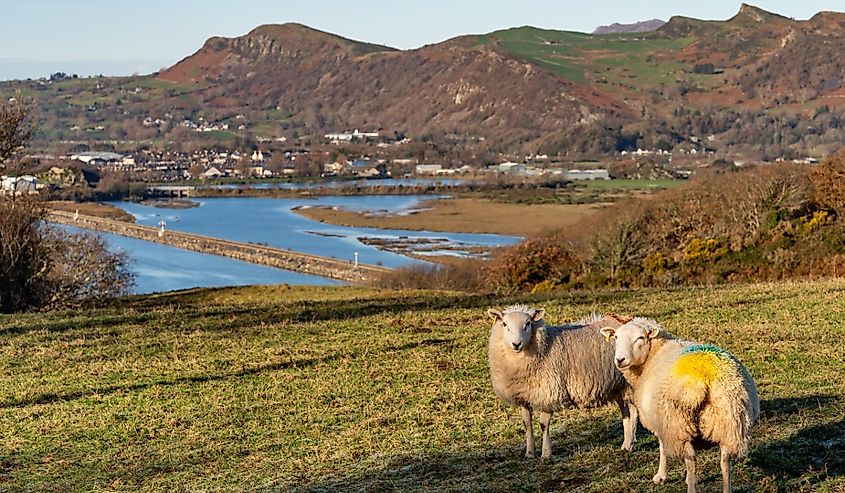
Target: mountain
x,y
461,87
636,27
756,82
526,86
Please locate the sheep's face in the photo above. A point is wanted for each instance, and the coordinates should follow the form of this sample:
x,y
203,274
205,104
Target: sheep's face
x,y
633,342
517,327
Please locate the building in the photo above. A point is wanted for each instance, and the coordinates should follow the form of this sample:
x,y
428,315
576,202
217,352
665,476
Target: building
x,y
333,168
364,168
587,174
428,169
97,157
349,137
511,168
18,185
211,173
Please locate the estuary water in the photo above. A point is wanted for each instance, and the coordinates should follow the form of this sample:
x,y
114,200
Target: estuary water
x,y
384,182
273,222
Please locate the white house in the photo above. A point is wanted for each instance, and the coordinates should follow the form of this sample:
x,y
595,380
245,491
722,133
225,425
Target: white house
x,y
348,137
211,172
511,168
587,174
87,157
18,185
333,168
428,169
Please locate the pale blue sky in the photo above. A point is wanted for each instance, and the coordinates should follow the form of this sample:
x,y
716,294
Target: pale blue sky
x,y
116,37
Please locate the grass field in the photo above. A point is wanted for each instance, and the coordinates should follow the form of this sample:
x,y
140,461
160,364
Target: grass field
x,y
344,389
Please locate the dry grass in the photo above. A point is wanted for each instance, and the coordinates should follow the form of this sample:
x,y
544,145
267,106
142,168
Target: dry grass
x,y
342,389
465,215
97,209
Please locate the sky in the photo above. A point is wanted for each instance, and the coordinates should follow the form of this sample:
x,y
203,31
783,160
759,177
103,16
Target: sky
x,y
118,37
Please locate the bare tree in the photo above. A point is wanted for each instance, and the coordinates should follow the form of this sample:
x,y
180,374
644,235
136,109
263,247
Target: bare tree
x,y
15,131
43,267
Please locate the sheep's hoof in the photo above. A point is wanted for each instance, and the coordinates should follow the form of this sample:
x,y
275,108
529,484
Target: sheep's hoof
x,y
628,446
546,455
659,478
529,455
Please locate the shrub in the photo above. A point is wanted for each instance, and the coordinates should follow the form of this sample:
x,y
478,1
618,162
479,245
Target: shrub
x,y
699,250
524,266
464,275
829,181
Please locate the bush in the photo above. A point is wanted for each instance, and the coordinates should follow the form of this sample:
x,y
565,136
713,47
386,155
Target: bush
x,y
464,275
528,264
829,183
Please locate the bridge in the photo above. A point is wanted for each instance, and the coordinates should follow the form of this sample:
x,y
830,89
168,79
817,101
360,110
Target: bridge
x,y
258,254
171,191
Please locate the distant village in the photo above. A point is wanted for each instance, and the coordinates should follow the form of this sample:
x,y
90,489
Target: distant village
x,y
273,160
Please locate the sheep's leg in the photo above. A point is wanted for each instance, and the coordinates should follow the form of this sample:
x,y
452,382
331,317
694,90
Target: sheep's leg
x,y
545,425
629,424
660,477
726,471
529,431
689,461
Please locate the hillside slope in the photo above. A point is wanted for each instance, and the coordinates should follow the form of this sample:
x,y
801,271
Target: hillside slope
x,y
528,87
441,88
340,389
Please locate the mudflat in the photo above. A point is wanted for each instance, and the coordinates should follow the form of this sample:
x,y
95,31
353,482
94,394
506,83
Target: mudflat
x,y
463,215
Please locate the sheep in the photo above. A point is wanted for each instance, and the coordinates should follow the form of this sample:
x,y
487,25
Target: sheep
x,y
691,396
545,369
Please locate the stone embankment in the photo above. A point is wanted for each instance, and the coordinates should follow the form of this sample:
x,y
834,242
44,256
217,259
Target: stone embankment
x,y
257,254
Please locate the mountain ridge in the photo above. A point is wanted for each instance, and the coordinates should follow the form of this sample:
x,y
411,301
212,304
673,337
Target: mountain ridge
x,y
634,27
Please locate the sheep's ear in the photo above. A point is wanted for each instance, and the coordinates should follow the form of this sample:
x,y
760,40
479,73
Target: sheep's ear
x,y
652,332
494,314
608,332
538,315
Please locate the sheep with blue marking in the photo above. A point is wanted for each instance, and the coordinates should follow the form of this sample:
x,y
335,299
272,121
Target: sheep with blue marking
x,y
691,396
545,369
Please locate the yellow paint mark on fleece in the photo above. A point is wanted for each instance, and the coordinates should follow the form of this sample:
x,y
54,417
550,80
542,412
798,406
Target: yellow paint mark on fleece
x,y
697,367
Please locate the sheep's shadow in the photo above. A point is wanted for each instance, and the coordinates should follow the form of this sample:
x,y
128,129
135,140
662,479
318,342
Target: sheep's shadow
x,y
773,408
819,448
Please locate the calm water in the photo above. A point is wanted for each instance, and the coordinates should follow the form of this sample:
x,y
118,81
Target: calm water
x,y
387,182
161,268
273,222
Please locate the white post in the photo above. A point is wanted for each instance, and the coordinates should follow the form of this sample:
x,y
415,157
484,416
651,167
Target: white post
x,y
76,215
162,224
356,259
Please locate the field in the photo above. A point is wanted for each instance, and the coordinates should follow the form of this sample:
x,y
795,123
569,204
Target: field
x,y
344,389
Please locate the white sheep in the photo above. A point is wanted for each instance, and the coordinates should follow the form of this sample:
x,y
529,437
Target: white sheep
x,y
691,396
545,369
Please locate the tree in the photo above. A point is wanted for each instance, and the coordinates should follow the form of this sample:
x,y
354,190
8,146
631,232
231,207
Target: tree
x,y
42,266
15,131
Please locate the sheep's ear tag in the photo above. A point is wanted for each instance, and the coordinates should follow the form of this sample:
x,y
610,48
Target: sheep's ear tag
x,y
606,337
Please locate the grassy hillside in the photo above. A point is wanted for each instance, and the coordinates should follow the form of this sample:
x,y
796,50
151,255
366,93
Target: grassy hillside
x,y
327,389
572,54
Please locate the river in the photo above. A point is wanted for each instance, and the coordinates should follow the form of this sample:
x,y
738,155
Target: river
x,y
273,222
